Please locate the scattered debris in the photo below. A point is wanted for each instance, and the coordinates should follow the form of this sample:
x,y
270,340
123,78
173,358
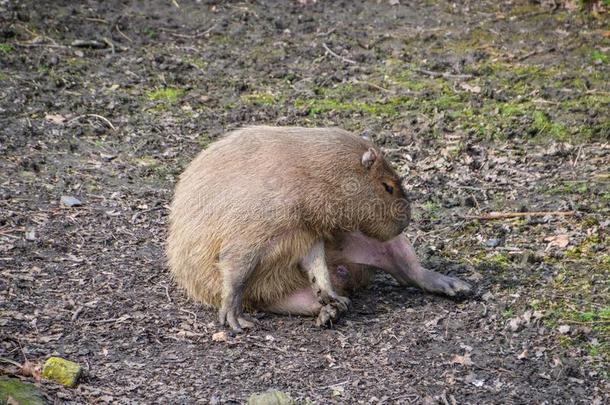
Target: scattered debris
x,y
472,379
472,89
523,354
532,142
507,215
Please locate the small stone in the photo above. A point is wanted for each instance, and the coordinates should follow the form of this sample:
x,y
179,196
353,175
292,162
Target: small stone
x,y
514,324
563,329
472,379
469,201
63,371
70,201
107,157
337,391
271,398
30,234
492,242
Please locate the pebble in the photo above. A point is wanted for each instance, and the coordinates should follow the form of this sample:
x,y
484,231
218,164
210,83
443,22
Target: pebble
x,y
70,201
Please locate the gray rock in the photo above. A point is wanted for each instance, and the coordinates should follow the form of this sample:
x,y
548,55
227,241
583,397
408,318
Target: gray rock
x,y
70,201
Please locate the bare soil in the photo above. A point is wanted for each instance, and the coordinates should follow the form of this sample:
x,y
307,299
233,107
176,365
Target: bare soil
x,y
484,106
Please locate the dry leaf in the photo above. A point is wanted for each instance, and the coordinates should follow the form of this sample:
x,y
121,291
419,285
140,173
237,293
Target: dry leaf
x,y
433,322
563,329
571,5
523,355
55,118
514,323
29,369
561,241
472,89
463,360
220,336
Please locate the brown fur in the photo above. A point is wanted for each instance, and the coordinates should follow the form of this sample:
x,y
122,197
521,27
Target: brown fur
x,y
271,193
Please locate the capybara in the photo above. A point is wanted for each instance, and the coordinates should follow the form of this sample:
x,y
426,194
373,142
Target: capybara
x,y
290,220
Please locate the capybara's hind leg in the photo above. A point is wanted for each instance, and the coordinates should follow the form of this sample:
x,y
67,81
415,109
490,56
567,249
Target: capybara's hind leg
x,y
314,263
306,302
236,269
397,258
301,302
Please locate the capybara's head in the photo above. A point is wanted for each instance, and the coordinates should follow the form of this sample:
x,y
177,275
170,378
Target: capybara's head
x,y
382,205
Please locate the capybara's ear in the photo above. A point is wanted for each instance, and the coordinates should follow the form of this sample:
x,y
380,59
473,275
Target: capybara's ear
x,y
369,157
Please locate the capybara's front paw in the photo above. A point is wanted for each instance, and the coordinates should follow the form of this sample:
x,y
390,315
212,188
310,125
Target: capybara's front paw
x,y
235,319
331,297
328,313
332,310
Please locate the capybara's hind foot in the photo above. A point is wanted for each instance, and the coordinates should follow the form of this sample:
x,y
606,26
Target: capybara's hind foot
x,y
235,320
441,284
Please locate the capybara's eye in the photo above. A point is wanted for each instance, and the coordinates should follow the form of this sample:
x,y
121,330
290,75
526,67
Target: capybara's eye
x,y
388,188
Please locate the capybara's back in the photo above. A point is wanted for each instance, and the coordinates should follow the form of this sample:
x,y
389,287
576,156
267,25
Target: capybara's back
x,y
267,189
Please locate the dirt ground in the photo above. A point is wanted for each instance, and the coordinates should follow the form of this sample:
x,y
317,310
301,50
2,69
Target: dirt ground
x,y
483,105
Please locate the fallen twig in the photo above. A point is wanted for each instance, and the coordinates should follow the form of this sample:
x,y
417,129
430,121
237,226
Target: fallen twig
x,y
24,45
344,59
603,321
88,43
137,214
99,20
446,75
109,320
9,361
504,215
94,116
519,16
372,85
325,34
116,26
197,35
